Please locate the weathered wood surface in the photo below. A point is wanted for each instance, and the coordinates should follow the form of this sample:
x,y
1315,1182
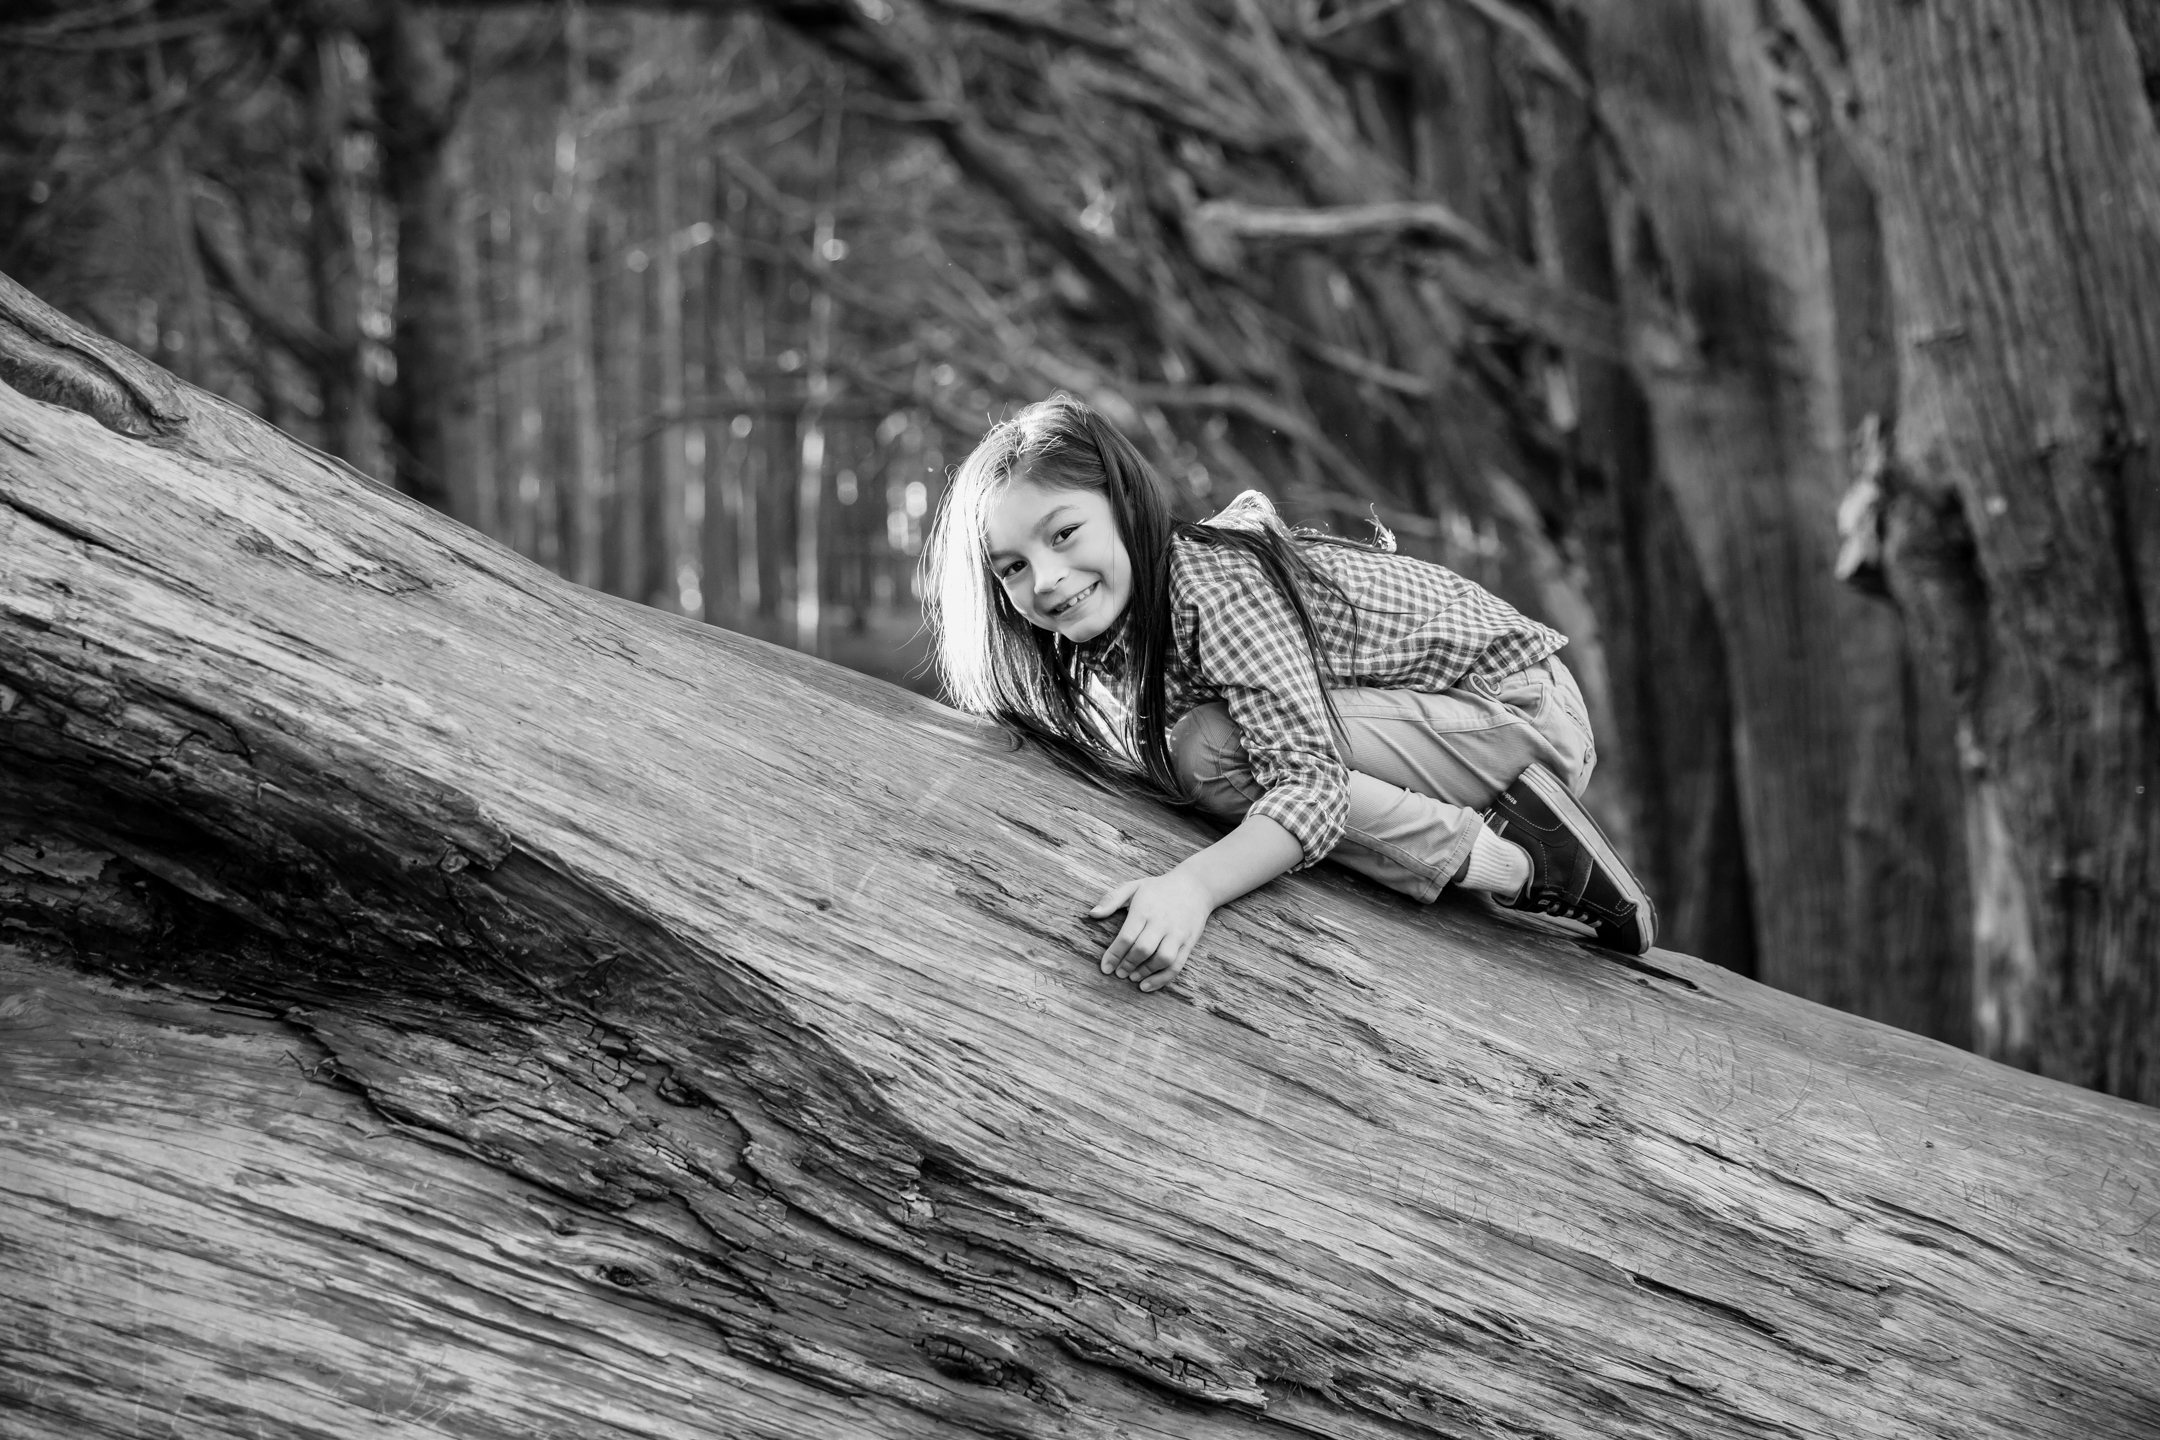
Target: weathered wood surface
x,y
209,1234
741,1013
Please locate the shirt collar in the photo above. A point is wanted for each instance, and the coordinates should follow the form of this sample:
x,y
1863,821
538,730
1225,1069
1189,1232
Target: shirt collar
x,y
1108,652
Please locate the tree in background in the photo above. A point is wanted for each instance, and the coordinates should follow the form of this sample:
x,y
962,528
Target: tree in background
x,y
1589,301
2019,506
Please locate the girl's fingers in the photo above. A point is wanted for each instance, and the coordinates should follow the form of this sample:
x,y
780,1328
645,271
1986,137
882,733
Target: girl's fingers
x,y
1144,952
1113,900
1165,970
1141,950
1127,937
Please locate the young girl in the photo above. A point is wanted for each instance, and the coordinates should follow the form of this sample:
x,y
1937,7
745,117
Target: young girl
x,y
1336,700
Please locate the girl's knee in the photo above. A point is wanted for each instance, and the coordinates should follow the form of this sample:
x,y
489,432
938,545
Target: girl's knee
x,y
1208,754
1583,755
1547,696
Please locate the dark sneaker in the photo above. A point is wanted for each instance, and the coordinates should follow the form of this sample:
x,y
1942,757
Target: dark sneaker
x,y
1574,871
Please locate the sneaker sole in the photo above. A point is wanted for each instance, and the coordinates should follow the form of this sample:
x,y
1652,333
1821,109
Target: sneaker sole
x,y
1548,788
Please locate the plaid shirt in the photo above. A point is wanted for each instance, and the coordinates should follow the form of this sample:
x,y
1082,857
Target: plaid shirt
x,y
1417,626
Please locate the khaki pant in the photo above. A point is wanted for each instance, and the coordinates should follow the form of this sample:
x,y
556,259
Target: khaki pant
x,y
1422,766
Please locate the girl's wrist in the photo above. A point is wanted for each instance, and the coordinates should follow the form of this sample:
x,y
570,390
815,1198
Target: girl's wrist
x,y
1253,854
1193,870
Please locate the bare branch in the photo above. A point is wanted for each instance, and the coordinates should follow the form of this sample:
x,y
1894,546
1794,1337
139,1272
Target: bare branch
x,y
1543,52
1351,18
1354,364
1477,273
1036,17
1386,220
1268,411
1518,296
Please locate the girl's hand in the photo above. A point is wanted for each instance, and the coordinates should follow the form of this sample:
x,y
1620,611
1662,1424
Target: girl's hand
x,y
1164,915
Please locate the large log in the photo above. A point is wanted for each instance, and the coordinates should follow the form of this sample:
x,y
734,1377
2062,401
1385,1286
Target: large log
x,y
579,1021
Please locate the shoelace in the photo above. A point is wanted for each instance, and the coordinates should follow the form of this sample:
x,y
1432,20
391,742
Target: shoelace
x,y
1553,905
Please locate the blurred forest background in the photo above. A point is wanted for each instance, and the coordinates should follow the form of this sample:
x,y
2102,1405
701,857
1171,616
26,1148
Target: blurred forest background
x,y
1792,358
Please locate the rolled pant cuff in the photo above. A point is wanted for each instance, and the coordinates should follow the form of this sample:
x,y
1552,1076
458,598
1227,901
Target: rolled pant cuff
x,y
1458,855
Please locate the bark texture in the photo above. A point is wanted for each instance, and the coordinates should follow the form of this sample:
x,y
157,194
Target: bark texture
x,y
2020,196
1726,270
719,1050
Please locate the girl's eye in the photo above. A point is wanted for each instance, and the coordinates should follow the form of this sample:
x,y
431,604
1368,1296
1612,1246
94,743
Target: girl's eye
x,y
1065,531
1010,569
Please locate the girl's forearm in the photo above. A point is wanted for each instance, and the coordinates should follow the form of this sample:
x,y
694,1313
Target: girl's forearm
x,y
1245,859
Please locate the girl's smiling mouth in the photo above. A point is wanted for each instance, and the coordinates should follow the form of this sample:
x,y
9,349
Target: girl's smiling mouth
x,y
1064,607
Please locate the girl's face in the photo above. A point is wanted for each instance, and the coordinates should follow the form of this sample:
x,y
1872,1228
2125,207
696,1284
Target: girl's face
x,y
1060,558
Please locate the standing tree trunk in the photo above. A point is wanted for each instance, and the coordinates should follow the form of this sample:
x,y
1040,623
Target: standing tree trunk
x,y
670,529
1726,273
718,1050
524,526
626,403
586,481
350,423
2020,188
189,322
817,391
1909,893
474,480
725,567
1671,743
430,408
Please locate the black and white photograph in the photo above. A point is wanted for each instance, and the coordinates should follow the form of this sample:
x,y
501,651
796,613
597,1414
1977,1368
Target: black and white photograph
x,y
1065,719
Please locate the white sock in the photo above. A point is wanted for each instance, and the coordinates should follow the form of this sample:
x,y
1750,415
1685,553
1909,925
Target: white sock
x,y
1498,865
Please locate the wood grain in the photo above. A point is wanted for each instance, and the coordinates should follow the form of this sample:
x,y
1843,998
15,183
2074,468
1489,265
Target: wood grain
x,y
210,1235
771,983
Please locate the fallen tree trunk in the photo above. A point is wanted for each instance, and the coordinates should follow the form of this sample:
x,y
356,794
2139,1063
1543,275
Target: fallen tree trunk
x,y
577,1020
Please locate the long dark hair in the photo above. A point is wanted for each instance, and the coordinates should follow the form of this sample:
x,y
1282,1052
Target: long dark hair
x,y
993,662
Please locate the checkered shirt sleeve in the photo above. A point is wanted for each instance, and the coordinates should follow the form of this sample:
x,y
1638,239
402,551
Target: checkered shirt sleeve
x,y
1239,639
